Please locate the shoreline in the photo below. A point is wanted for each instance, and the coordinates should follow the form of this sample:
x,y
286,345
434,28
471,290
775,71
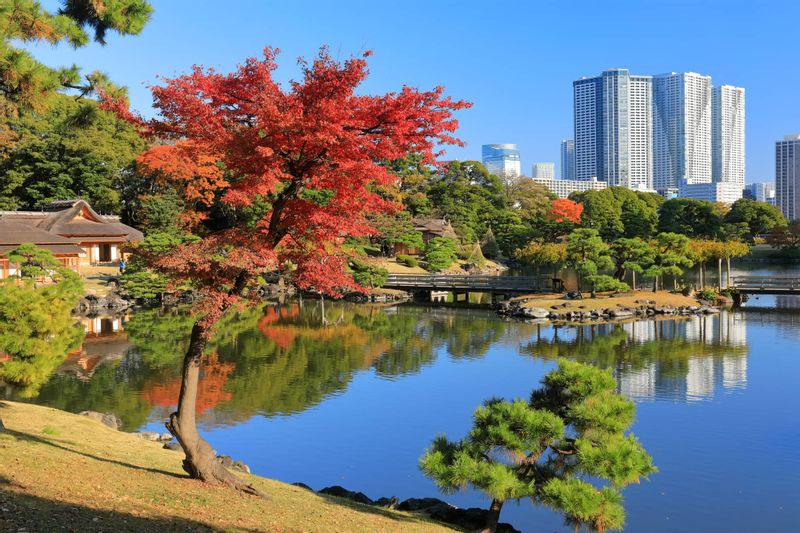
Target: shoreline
x,y
622,306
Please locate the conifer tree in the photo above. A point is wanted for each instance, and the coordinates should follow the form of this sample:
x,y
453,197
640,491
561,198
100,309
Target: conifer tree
x,y
572,431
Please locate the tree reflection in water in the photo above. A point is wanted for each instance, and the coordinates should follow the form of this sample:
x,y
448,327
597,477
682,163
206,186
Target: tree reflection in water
x,y
273,360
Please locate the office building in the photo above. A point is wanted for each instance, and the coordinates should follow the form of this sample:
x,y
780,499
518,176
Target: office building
x,y
543,170
502,160
717,191
787,176
761,192
563,188
727,135
613,129
681,130
568,159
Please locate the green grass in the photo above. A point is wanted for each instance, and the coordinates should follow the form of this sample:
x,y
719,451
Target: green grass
x,y
60,471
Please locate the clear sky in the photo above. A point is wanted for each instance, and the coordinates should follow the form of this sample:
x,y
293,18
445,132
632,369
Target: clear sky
x,y
514,60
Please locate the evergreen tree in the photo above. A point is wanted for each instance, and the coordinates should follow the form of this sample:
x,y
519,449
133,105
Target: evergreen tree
x,y
631,255
671,254
572,430
25,83
588,255
37,329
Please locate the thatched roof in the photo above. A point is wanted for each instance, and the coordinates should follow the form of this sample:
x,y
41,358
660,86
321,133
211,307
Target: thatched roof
x,y
434,226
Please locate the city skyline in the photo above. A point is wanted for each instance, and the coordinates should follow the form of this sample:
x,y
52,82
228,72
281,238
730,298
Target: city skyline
x,y
514,100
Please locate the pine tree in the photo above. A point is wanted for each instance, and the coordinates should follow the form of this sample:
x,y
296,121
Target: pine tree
x,y
25,83
572,430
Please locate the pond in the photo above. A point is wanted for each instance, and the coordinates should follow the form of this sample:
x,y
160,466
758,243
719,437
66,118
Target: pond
x,y
353,394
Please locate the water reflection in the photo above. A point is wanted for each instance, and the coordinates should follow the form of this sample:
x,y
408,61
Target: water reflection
x,y
674,359
281,360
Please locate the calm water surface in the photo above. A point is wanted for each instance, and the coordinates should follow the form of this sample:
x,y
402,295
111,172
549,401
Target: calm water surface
x,y
352,395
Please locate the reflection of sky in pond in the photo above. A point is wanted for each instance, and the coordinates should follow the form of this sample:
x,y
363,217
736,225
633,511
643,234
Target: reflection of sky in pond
x,y
356,402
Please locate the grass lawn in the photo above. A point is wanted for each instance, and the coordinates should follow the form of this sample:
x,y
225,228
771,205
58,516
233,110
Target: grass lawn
x,y
60,471
95,279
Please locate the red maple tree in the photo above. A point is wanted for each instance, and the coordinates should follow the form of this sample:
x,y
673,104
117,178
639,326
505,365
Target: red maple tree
x,y
293,169
564,209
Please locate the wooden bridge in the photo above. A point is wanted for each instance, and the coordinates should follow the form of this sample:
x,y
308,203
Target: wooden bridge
x,y
466,283
745,285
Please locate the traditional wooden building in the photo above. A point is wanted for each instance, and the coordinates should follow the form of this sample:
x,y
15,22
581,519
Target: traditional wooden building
x,y
71,229
429,227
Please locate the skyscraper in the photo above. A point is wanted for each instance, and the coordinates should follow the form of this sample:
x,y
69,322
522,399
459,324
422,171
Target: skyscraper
x,y
787,176
681,130
543,170
727,135
761,192
502,160
613,129
568,159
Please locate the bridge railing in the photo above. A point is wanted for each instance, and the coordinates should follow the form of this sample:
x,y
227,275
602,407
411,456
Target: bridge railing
x,y
766,282
465,282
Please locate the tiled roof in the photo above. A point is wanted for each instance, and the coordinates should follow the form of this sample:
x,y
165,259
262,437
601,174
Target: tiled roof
x,y
74,219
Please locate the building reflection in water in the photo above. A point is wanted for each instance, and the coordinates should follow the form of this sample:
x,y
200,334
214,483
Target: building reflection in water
x,y
105,341
684,359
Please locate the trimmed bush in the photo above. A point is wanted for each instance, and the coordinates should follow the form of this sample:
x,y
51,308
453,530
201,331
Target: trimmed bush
x,y
407,260
367,275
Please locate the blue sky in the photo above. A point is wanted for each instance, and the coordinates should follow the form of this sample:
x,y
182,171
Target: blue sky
x,y
514,60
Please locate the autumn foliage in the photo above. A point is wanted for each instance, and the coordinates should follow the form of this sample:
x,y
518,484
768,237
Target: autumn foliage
x,y
564,209
293,169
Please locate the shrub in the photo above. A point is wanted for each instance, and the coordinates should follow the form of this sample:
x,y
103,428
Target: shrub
x,y
407,260
367,275
440,253
706,295
604,283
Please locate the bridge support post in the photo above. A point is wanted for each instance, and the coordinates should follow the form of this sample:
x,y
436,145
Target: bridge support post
x,y
737,298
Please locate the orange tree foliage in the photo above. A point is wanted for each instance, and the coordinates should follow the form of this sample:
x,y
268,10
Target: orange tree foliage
x,y
564,209
275,176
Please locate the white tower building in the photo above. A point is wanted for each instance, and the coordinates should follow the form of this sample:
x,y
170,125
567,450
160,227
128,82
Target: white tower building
x,y
787,176
727,135
681,130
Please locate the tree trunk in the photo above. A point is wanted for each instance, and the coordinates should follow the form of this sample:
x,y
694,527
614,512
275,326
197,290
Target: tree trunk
x,y
633,273
493,518
655,283
719,274
728,272
200,462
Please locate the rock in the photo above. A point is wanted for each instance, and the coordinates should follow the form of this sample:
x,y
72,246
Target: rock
x,y
148,435
534,312
388,503
620,313
706,310
688,291
175,446
419,504
228,462
573,295
165,437
342,492
303,486
107,419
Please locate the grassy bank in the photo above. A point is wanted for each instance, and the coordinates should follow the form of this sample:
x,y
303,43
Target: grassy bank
x,y
60,471
628,299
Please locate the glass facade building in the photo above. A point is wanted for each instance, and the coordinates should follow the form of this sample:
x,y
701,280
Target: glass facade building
x,y
502,160
613,129
568,159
